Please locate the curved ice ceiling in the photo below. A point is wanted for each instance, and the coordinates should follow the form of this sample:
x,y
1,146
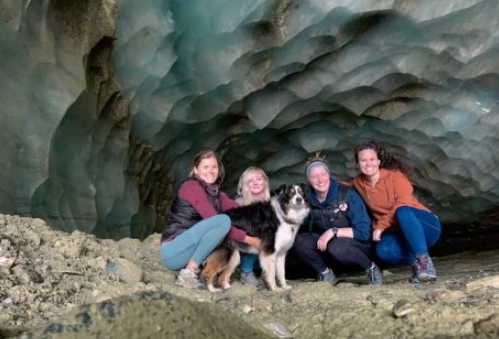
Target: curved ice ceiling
x,y
119,96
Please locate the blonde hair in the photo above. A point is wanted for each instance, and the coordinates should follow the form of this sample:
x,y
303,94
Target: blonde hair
x,y
244,197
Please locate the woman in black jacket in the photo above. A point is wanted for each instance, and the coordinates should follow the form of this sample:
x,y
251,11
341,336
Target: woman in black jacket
x,y
338,227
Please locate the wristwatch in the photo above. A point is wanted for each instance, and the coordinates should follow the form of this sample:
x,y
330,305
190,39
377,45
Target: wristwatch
x,y
335,232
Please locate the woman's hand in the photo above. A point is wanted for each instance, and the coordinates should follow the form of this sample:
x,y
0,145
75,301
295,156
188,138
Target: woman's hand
x,y
253,241
377,235
324,240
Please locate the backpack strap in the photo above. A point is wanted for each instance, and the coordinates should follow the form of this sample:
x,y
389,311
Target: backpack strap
x,y
340,201
341,197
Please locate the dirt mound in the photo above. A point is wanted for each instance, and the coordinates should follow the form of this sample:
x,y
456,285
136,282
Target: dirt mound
x,y
50,277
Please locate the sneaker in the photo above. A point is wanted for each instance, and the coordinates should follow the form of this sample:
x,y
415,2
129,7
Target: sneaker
x,y
423,269
189,278
414,276
328,276
248,278
374,275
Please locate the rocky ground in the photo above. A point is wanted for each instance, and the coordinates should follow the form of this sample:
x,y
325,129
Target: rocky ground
x,y
59,285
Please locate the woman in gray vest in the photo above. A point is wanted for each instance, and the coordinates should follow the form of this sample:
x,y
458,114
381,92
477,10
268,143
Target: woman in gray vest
x,y
338,228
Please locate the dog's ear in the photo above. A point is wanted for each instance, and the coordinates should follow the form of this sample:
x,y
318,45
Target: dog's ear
x,y
280,190
304,188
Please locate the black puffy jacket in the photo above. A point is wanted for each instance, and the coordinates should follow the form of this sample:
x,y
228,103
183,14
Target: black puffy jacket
x,y
328,214
182,215
343,207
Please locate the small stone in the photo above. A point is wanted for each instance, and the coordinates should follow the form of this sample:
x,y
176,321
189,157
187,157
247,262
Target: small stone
x,y
387,273
126,270
7,262
98,263
34,239
466,328
27,276
488,325
402,308
492,281
442,295
5,317
246,309
279,330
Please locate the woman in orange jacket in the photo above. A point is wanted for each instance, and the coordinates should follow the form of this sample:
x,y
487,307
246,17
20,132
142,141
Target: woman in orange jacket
x,y
403,228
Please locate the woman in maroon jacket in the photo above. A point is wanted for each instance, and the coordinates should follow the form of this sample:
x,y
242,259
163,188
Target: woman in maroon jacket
x,y
196,225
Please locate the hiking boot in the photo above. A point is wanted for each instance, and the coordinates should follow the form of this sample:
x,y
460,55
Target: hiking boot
x,y
248,278
374,275
328,276
189,278
423,269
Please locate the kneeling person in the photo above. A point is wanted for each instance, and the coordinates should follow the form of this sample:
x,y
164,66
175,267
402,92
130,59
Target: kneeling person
x,y
338,227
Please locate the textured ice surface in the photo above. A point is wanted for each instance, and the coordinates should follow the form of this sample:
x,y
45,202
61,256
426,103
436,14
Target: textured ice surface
x,y
104,103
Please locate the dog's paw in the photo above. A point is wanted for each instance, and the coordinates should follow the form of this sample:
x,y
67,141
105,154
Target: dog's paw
x,y
225,286
212,288
274,288
286,287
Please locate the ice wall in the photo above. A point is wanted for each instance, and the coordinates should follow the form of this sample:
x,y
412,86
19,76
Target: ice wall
x,y
104,103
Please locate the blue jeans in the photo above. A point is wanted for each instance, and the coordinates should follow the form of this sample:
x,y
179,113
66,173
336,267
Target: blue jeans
x,y
248,262
419,230
196,243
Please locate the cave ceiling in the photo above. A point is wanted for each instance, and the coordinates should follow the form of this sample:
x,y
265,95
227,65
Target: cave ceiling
x,y
104,103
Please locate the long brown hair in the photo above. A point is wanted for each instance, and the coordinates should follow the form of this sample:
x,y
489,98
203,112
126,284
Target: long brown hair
x,y
388,160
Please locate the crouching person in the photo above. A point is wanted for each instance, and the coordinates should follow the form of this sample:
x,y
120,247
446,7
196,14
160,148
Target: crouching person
x,y
196,224
338,228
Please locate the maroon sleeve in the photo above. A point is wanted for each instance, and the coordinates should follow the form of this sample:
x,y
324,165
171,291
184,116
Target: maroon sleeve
x,y
237,234
227,203
194,194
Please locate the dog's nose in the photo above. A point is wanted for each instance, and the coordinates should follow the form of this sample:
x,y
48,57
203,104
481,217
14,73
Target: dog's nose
x,y
299,200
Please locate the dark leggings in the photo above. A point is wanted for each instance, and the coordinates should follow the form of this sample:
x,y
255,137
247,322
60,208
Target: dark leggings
x,y
345,251
419,229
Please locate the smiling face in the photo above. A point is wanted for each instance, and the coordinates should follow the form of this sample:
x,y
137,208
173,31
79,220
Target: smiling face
x,y
368,162
255,183
319,180
207,170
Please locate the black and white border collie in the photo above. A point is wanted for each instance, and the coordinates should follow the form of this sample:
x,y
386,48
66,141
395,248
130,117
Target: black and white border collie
x,y
275,222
